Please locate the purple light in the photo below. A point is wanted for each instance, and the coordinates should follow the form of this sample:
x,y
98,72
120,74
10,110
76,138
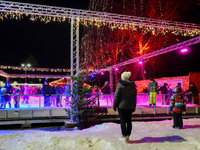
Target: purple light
x,y
102,73
184,50
116,69
140,62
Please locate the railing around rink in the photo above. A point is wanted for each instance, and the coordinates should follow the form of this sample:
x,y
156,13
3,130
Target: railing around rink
x,y
104,100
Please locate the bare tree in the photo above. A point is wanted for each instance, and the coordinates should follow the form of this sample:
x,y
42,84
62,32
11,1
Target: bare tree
x,y
109,44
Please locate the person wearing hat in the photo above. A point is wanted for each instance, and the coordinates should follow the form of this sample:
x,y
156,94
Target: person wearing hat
x,y
177,105
46,91
125,103
6,90
153,88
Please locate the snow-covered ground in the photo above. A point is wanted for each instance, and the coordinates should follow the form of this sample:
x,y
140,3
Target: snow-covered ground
x,y
157,135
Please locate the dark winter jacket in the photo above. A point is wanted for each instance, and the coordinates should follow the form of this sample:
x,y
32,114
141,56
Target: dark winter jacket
x,y
163,90
6,95
106,89
193,89
46,90
177,103
53,90
125,95
153,86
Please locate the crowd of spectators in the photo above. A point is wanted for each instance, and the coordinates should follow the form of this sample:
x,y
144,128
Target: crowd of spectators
x,y
25,91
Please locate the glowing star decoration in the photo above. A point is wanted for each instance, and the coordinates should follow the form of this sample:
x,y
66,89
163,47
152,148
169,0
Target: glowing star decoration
x,y
184,50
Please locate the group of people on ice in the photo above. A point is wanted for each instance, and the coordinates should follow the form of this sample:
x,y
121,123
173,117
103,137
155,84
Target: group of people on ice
x,y
168,92
7,90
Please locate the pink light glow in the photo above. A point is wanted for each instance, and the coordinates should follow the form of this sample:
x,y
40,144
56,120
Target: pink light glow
x,y
116,69
140,62
102,73
184,50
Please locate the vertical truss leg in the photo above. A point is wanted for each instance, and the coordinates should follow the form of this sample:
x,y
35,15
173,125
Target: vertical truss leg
x,y
111,80
74,53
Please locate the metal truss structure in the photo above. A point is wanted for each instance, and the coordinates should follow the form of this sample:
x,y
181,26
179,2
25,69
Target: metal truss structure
x,y
103,18
76,15
6,75
153,54
94,16
74,46
74,52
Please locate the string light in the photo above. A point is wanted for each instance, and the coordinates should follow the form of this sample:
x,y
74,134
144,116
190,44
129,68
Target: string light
x,y
43,69
99,22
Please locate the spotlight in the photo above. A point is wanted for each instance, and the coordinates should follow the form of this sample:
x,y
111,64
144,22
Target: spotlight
x,y
116,69
102,73
140,62
184,50
92,76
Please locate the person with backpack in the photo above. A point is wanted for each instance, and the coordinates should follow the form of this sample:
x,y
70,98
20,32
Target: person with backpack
x,y
177,105
153,88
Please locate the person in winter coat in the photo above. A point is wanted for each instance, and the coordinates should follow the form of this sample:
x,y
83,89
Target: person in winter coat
x,y
153,88
46,91
106,91
125,102
58,91
191,91
6,90
17,91
164,91
26,91
53,98
177,105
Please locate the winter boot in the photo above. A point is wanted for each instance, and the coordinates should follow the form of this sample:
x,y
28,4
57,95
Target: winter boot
x,y
123,139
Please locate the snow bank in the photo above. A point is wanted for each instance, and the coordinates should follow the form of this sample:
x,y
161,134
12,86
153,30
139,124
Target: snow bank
x,y
157,135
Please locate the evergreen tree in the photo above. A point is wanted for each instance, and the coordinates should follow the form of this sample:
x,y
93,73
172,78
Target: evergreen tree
x,y
83,104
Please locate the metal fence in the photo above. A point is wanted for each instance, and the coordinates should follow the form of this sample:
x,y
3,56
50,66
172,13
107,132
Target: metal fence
x,y
53,101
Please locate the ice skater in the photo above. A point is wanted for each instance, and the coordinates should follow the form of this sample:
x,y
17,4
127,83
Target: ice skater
x,y
153,88
177,105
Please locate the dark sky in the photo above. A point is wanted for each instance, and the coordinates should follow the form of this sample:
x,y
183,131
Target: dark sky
x,y
50,43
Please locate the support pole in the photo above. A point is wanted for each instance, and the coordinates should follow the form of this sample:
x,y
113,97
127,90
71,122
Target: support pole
x,y
111,80
74,54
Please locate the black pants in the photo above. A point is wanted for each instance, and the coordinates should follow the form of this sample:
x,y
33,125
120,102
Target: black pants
x,y
125,121
178,122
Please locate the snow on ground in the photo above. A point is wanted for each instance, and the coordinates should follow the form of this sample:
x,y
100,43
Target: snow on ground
x,y
157,135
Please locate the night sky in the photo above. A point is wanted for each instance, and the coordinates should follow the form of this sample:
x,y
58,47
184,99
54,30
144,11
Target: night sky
x,y
49,43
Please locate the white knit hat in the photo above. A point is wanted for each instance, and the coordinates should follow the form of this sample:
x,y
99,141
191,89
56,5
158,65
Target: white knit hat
x,y
125,75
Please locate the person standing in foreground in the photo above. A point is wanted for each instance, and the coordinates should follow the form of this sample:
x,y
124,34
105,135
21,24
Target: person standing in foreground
x,y
177,105
125,102
153,88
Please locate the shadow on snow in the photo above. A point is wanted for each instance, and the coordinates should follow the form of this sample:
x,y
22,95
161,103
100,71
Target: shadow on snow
x,y
174,138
